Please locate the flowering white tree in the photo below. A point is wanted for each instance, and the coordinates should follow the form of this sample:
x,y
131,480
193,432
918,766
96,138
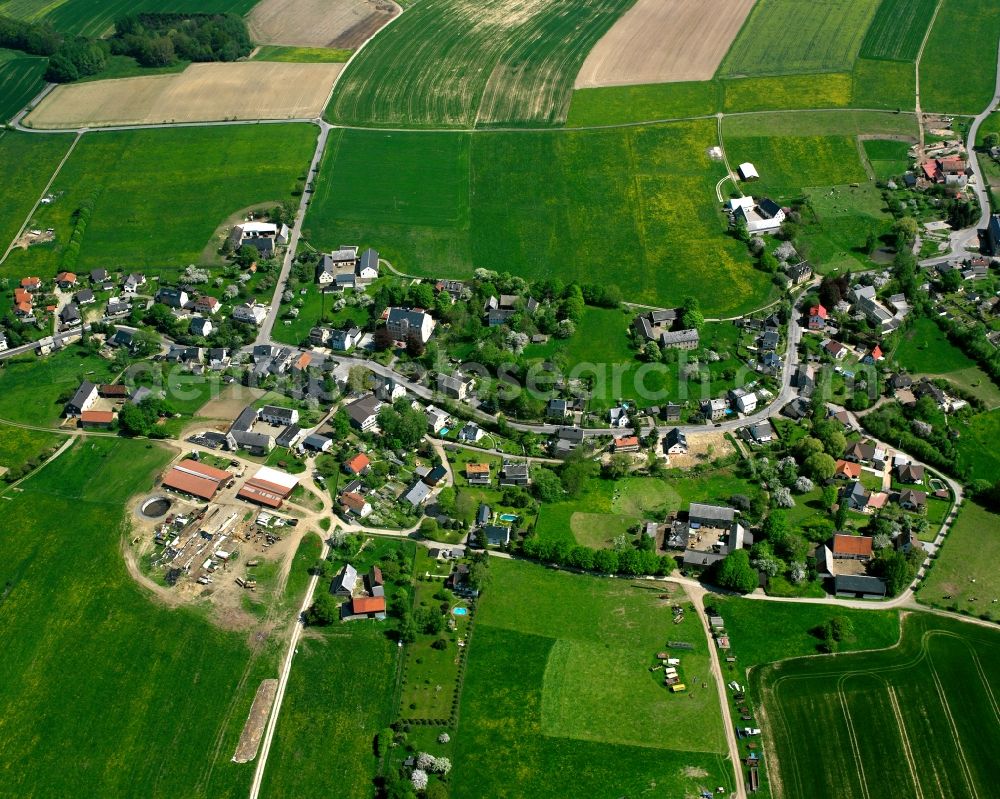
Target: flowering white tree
x,y
881,541
195,275
425,761
516,341
442,765
803,485
231,291
443,738
565,328
339,304
783,498
364,300
419,779
797,572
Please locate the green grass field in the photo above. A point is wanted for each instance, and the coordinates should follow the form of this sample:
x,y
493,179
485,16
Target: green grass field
x,y
96,17
833,122
339,696
161,194
19,447
958,73
838,221
301,55
30,387
825,37
31,160
618,104
925,350
452,63
898,29
558,682
607,508
977,446
887,158
829,90
929,698
638,201
95,668
964,576
788,164
20,81
884,84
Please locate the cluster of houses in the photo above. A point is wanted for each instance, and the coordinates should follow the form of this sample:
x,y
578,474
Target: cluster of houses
x,y
94,405
344,268
364,596
204,308
868,456
264,236
659,326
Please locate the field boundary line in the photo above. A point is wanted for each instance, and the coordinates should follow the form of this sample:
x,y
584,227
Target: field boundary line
x,y
45,191
986,684
967,772
907,751
916,72
855,749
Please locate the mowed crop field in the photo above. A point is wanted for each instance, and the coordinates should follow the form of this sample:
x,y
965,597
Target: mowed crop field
x,y
636,205
958,73
201,93
788,36
20,80
898,29
319,23
29,162
657,41
558,682
161,194
97,672
96,17
920,719
458,63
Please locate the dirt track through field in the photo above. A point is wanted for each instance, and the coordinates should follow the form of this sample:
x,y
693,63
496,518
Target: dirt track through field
x,y
320,23
662,41
201,93
253,730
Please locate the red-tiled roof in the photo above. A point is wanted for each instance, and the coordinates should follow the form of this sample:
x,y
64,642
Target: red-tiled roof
x,y
97,417
261,497
304,360
66,277
192,484
20,295
368,604
477,468
626,441
30,281
358,463
852,544
113,390
847,468
818,310
269,487
204,470
353,500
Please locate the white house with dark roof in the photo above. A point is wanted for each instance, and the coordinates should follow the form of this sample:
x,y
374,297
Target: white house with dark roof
x,y
760,217
404,323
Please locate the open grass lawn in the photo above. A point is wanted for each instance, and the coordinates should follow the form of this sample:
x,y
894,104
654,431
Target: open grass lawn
x,y
96,670
607,508
930,700
611,105
837,223
185,392
898,29
825,37
977,446
159,195
20,80
96,17
339,696
964,576
30,387
887,158
819,122
558,682
31,160
790,163
314,307
636,203
829,90
884,84
925,350
958,73
19,447
454,63
766,632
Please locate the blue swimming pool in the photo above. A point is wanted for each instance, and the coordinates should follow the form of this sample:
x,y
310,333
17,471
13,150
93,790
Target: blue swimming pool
x,y
508,517
444,431
460,611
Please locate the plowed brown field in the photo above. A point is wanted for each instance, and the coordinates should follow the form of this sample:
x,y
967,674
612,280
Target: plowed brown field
x,y
662,41
320,23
